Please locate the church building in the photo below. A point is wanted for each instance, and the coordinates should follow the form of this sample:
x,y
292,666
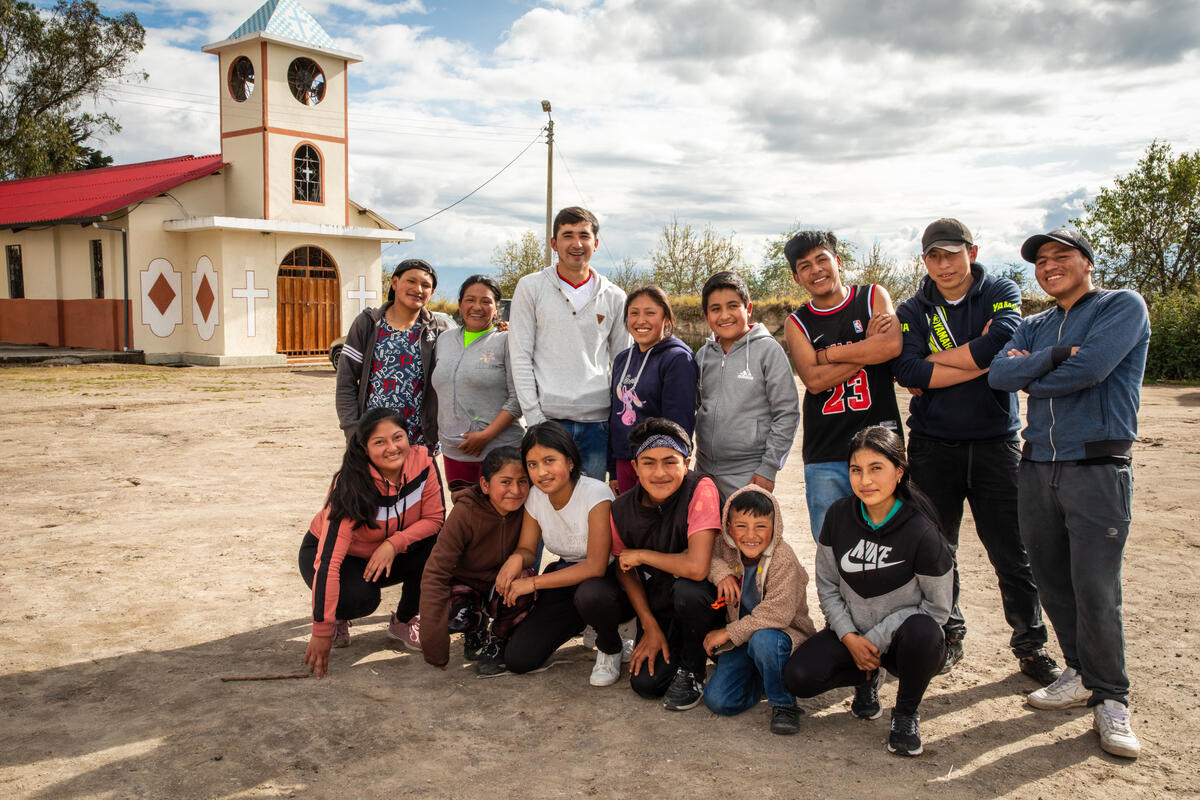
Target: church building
x,y
252,256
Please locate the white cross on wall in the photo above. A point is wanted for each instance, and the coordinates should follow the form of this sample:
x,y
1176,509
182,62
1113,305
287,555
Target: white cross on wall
x,y
362,294
250,293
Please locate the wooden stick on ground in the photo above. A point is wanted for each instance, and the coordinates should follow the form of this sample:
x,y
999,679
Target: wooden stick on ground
x,y
274,677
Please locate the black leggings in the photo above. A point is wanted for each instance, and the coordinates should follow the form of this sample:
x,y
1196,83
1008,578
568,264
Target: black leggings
x,y
359,598
558,614
685,623
916,654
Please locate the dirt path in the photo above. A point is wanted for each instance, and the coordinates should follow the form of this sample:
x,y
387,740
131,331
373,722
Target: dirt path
x,y
151,517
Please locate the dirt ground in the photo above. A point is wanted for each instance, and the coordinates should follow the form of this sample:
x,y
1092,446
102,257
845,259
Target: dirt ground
x,y
151,518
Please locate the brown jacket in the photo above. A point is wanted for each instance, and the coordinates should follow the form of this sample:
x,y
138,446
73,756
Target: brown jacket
x,y
781,581
473,544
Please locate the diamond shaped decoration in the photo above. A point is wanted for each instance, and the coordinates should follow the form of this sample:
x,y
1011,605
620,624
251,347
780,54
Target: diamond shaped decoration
x,y
205,297
161,294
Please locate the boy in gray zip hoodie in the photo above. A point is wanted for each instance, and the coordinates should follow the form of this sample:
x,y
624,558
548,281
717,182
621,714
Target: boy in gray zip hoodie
x,y
749,407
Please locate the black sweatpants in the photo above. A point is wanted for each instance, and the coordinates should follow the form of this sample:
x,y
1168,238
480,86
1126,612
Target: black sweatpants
x,y
358,597
916,654
557,615
690,617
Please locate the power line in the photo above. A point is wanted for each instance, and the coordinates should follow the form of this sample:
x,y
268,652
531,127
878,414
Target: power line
x,y
532,142
603,242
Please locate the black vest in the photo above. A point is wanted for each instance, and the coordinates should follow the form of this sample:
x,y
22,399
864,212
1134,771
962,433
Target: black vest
x,y
662,528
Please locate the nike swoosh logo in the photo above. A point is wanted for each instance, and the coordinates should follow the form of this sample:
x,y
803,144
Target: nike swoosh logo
x,y
856,565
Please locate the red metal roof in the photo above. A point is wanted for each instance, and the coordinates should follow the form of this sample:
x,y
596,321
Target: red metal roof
x,y
93,192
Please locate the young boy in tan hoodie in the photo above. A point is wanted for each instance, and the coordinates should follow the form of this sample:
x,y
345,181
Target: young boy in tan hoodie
x,y
762,584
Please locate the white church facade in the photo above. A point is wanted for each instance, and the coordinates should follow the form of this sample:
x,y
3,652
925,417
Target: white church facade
x,y
252,256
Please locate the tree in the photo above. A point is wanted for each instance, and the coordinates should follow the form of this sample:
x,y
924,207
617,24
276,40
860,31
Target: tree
x,y
1145,230
773,278
629,275
683,259
517,258
49,64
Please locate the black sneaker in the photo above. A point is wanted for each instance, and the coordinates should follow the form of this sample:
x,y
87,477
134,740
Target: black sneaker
x,y
473,644
954,654
904,739
865,704
785,720
1040,667
466,618
491,659
684,692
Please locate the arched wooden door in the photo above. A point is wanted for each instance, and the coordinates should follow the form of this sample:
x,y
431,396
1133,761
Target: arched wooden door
x,y
309,314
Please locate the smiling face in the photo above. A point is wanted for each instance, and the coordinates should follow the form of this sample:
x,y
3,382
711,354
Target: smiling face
x,y
819,272
574,243
660,471
477,307
951,271
387,447
413,288
751,533
1063,272
646,321
727,316
874,478
507,488
548,469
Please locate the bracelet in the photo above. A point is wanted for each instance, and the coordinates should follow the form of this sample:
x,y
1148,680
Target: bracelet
x,y
534,579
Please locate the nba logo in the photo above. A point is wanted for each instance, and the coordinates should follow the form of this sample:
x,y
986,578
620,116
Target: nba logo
x,y
858,326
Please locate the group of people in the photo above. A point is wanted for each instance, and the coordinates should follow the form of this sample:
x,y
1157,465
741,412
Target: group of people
x,y
570,438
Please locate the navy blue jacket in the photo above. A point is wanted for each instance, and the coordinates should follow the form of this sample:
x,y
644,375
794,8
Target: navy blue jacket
x,y
666,388
970,411
1084,405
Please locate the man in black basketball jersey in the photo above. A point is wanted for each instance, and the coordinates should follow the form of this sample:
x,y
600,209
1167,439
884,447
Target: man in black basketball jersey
x,y
963,433
841,342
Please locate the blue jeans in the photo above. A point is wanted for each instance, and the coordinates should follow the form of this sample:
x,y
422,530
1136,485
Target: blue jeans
x,y
744,673
824,482
592,440
1075,520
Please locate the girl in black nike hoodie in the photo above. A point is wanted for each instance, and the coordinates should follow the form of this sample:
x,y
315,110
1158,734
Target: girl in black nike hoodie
x,y
884,581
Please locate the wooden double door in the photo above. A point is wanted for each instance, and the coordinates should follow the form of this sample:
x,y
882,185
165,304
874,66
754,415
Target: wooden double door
x,y
309,314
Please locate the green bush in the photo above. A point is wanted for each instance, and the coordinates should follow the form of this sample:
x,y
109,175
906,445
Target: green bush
x,y
1174,337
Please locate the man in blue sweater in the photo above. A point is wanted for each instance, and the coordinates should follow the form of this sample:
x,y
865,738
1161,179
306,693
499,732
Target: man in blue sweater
x,y
1081,363
963,442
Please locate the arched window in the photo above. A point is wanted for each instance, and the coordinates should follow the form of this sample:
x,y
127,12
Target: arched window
x,y
309,262
306,168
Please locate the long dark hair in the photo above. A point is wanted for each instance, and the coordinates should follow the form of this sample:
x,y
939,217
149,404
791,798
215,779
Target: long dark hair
x,y
888,444
353,494
551,435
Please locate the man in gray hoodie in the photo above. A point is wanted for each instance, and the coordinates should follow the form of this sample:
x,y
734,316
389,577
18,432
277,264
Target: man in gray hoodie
x,y
566,324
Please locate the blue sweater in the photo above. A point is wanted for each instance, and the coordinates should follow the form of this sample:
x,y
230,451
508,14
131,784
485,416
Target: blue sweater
x,y
972,410
1084,405
666,387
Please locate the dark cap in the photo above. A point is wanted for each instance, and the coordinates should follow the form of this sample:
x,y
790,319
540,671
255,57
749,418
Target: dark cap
x,y
946,234
1067,236
412,263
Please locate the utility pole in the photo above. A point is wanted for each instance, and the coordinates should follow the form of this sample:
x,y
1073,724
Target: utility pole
x,y
549,178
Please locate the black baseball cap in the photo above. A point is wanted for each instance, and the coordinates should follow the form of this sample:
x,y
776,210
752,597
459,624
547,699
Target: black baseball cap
x,y
1068,236
946,234
412,263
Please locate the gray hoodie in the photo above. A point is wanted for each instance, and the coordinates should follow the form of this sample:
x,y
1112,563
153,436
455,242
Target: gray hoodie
x,y
473,384
749,409
561,358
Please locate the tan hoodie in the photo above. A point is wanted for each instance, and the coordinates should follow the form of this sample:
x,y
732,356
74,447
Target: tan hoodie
x,y
782,582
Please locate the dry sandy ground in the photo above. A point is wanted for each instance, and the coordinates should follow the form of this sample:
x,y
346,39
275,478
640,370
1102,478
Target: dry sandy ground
x,y
150,521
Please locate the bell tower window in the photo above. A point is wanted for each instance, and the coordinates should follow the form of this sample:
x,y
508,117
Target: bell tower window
x,y
241,79
306,167
307,81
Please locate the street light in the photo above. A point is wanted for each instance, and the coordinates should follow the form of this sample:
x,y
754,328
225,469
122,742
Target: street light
x,y
549,176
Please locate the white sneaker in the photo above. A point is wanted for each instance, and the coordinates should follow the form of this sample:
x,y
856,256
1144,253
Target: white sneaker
x,y
1066,692
626,650
589,637
1111,720
607,669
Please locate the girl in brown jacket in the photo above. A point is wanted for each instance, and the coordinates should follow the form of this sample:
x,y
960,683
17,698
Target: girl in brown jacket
x,y
762,585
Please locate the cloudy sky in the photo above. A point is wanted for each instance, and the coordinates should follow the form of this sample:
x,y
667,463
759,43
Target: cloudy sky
x,y
869,118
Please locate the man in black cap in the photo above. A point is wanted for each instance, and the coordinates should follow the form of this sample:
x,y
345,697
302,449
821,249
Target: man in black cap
x,y
963,441
1081,363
